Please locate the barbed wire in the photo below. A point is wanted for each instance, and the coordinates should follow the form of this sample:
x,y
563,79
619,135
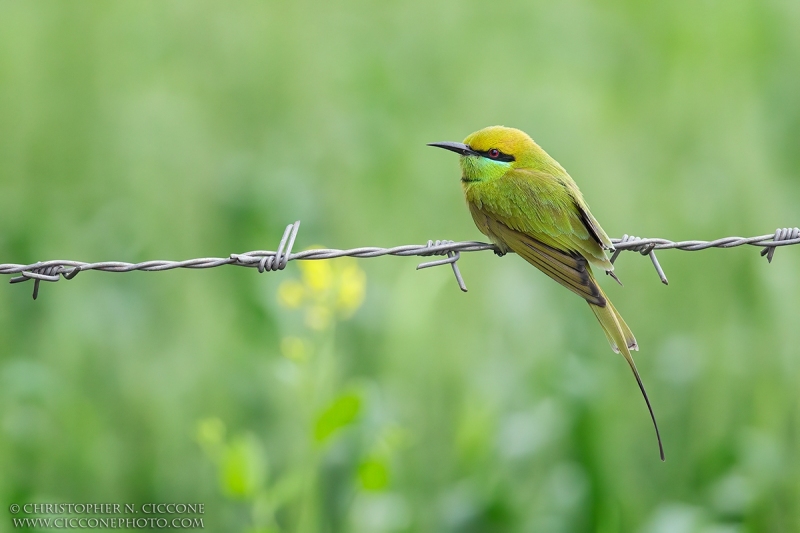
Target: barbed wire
x,y
266,261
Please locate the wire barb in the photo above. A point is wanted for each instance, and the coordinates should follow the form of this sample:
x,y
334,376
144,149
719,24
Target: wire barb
x,y
269,261
644,247
781,234
280,259
38,273
452,257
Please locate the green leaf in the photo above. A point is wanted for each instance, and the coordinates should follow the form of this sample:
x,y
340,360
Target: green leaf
x,y
243,467
342,412
373,474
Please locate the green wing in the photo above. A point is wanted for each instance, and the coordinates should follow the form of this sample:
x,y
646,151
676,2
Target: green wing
x,y
570,269
549,209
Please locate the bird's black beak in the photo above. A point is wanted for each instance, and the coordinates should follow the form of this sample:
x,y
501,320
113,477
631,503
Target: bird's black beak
x,y
459,148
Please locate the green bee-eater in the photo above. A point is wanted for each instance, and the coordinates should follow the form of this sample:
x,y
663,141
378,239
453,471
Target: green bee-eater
x,y
525,202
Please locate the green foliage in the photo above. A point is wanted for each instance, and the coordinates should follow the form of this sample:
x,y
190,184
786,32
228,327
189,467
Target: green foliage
x,y
342,412
242,468
373,474
135,130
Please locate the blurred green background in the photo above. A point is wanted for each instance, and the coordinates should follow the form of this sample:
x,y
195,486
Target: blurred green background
x,y
137,130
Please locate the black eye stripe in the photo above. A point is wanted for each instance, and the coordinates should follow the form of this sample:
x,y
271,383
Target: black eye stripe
x,y
502,157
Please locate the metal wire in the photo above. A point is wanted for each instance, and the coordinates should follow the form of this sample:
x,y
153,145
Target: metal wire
x,y
272,261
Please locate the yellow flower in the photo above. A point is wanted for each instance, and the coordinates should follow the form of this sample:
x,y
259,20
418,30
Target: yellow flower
x,y
352,286
317,275
318,317
295,348
329,288
291,293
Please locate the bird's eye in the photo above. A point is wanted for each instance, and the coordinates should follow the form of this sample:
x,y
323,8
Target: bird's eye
x,y
494,153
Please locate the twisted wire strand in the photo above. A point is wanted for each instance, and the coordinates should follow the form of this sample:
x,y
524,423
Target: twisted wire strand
x,y
265,260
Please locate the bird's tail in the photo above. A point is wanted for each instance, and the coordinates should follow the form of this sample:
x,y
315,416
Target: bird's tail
x,y
614,326
622,341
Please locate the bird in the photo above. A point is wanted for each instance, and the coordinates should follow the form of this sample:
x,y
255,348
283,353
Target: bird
x,y
525,202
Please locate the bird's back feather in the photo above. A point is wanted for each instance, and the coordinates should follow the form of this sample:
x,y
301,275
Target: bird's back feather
x,y
545,207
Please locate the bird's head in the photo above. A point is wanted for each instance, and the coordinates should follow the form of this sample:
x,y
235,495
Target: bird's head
x,y
489,153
